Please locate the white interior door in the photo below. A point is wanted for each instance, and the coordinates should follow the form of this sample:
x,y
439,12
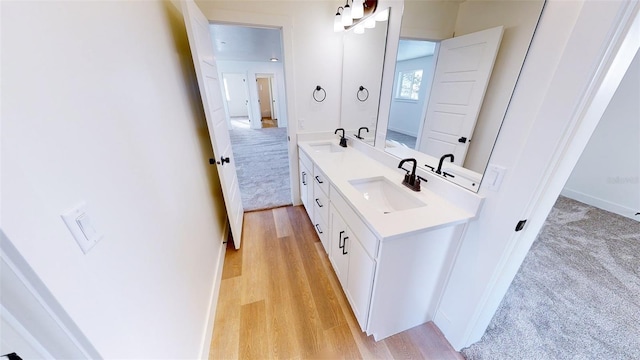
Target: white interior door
x,y
462,73
238,98
209,84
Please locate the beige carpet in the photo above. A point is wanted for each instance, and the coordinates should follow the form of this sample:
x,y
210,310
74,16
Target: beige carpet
x,y
262,162
576,295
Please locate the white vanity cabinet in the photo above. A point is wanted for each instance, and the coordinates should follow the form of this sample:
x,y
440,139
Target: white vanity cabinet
x,y
314,193
321,206
351,262
392,266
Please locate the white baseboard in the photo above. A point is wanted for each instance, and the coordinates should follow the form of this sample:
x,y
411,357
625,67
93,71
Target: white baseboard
x,y
213,301
601,203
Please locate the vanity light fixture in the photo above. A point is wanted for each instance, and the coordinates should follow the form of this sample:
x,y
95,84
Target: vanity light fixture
x,y
357,9
273,59
337,21
347,19
346,14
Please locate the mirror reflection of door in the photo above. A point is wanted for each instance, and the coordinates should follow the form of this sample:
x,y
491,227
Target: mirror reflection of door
x,y
445,88
268,117
237,98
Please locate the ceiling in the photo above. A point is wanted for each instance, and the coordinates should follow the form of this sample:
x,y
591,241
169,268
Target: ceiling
x,y
412,49
242,43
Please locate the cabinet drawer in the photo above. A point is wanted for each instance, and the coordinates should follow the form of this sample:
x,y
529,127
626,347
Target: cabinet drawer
x,y
305,159
320,202
365,236
323,231
321,180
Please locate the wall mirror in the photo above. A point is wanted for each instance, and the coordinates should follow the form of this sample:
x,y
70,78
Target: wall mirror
x,y
362,63
457,66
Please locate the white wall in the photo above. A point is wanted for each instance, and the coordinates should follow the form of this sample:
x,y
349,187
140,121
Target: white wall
x,y
429,20
251,68
406,115
99,104
608,173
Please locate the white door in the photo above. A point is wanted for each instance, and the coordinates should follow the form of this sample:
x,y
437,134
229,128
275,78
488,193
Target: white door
x,y
460,81
208,83
237,94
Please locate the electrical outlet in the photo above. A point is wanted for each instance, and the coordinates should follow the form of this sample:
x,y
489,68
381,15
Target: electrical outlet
x,y
81,227
301,123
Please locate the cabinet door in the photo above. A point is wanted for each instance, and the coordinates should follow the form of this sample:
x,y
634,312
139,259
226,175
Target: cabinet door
x,y
359,280
339,254
305,177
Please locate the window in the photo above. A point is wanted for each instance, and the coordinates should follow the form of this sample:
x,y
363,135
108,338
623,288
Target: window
x,y
409,84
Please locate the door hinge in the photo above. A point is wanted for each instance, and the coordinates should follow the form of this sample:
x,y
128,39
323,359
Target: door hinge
x,y
520,225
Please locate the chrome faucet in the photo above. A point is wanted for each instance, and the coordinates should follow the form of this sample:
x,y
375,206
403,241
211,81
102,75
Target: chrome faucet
x,y
343,140
439,170
359,136
410,179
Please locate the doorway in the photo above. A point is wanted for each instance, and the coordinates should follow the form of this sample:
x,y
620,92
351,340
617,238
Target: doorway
x,y
236,95
267,100
251,66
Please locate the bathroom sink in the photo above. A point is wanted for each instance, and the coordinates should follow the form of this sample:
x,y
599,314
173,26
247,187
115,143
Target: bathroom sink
x,y
326,148
384,195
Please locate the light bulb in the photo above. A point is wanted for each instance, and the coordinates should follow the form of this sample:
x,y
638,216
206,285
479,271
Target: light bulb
x,y
357,11
337,23
347,20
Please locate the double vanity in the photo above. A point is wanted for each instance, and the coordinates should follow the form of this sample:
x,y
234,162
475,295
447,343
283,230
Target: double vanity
x,y
394,248
391,248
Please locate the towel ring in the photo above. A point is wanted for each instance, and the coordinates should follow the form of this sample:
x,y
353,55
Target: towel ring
x,y
364,90
318,89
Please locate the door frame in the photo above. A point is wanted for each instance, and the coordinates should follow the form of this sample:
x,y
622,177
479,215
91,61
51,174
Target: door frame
x,y
285,24
273,102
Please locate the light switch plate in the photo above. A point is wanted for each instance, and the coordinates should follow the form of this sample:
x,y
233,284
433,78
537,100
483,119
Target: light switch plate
x,y
493,177
79,224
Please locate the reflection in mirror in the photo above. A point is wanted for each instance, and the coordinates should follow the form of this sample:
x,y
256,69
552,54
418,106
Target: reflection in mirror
x,y
451,93
362,64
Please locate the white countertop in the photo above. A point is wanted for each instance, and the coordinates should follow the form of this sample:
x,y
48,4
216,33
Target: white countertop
x,y
350,164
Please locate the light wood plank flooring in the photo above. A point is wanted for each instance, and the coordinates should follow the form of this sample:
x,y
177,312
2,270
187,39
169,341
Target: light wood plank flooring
x,y
280,298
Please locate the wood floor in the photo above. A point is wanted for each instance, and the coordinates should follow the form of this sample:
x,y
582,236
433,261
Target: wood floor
x,y
280,298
